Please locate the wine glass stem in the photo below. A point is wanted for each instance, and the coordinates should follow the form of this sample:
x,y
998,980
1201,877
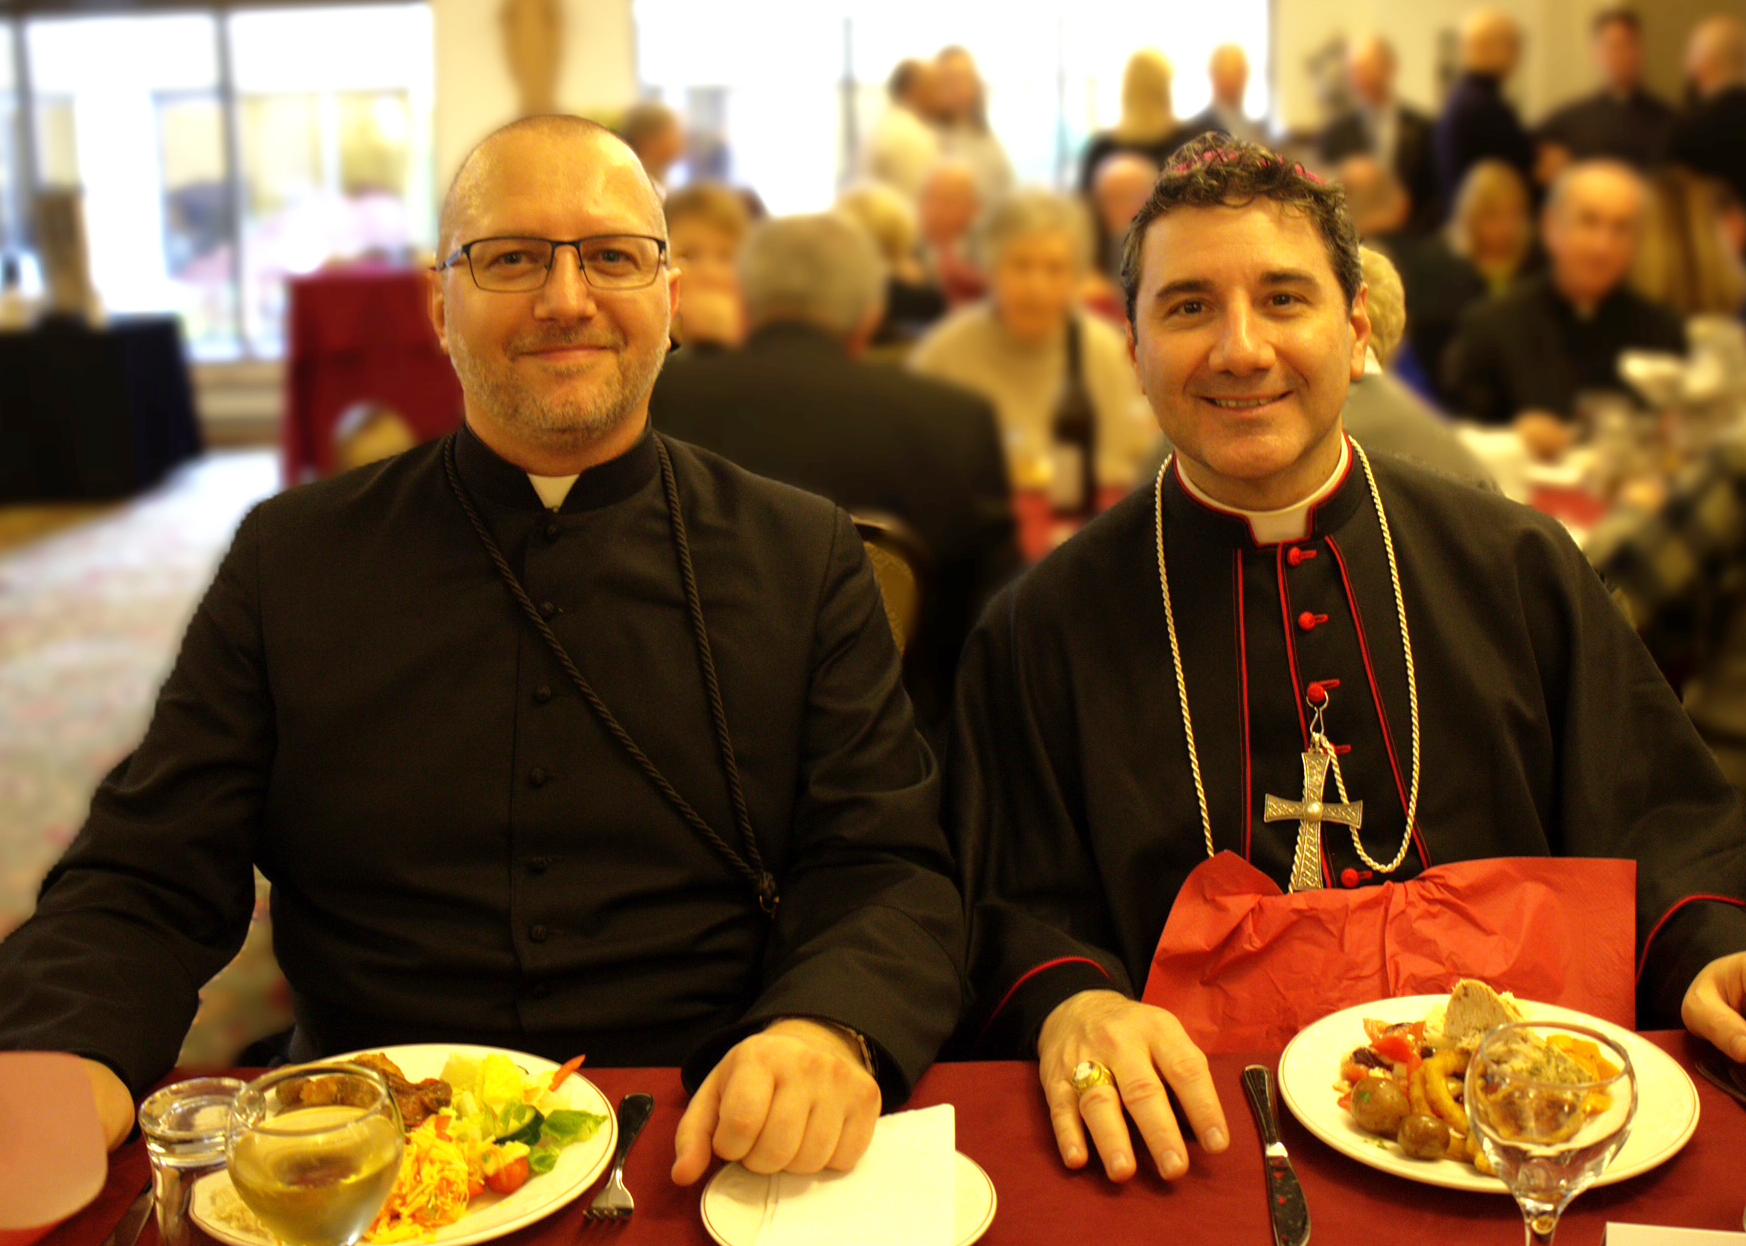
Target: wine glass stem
x,y
1540,1226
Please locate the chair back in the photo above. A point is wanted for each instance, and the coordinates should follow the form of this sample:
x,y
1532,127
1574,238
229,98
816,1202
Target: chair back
x,y
903,567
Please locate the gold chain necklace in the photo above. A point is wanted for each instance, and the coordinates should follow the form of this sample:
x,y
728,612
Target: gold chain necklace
x,y
1406,644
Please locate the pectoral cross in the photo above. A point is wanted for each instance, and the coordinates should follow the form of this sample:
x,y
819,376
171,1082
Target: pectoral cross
x,y
1311,812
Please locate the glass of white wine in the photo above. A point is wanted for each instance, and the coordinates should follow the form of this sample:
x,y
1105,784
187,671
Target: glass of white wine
x,y
1551,1104
314,1151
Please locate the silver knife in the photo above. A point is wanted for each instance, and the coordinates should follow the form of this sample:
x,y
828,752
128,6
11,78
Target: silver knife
x,y
1291,1219
132,1220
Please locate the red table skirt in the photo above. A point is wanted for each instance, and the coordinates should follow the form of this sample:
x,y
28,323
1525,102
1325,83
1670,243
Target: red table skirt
x,y
361,334
1002,1125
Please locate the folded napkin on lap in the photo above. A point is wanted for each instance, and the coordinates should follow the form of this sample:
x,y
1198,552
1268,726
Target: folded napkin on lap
x,y
902,1193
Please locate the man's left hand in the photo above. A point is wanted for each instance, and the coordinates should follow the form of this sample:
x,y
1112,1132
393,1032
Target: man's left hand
x,y
795,1098
1713,1004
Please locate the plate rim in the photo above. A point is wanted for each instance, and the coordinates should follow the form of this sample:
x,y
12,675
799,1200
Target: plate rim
x,y
562,1198
975,1235
1471,1180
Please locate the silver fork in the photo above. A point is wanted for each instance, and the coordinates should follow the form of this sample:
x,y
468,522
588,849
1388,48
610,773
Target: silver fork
x,y
614,1201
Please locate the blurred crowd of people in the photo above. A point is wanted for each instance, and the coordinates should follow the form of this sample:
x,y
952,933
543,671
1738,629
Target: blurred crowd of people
x,y
941,339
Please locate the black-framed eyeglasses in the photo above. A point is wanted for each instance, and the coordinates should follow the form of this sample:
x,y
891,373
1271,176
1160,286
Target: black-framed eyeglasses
x,y
512,265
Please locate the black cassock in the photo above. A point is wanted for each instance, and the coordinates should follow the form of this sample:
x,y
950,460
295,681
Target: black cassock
x,y
1545,727
458,850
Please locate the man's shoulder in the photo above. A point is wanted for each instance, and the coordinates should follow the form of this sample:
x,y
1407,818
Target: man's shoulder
x,y
357,495
1443,507
759,504
1078,581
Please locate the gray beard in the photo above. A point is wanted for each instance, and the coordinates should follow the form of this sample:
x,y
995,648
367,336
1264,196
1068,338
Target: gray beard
x,y
564,423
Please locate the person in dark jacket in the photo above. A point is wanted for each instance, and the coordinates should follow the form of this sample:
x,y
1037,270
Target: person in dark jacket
x,y
795,404
1621,121
1381,125
1478,123
1712,137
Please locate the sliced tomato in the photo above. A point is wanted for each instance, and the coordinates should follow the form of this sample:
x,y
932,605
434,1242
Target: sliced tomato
x,y
440,1126
1346,1101
510,1177
475,1188
1397,1048
1374,1029
1352,1072
563,1072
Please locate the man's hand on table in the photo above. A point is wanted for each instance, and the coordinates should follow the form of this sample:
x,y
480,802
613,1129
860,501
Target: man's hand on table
x,y
114,1102
1544,434
1144,1048
1713,1005
795,1098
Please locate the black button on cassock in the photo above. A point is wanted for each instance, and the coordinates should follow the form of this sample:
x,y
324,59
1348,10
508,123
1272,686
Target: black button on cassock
x,y
537,933
537,776
542,694
537,865
547,609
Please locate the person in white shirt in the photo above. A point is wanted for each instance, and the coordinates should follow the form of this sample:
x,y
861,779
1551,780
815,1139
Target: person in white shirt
x,y
906,142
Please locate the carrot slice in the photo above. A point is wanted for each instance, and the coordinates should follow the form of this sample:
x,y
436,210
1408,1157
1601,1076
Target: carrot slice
x,y
565,1070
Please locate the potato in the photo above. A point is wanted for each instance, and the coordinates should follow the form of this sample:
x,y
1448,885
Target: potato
x,y
1424,1137
1378,1104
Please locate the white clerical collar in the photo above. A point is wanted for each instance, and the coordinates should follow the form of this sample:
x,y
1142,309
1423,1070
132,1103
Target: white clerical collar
x,y
1288,523
552,489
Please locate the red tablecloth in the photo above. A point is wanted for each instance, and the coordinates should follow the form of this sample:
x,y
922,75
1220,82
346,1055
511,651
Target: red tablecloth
x,y
1003,1126
361,334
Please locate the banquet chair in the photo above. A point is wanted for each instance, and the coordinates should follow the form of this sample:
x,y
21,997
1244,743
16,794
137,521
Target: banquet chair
x,y
904,569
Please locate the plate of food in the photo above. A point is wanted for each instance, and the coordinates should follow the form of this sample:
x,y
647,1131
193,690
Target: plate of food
x,y
1383,1083
495,1140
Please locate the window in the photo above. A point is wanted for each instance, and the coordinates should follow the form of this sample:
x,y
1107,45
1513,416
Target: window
x,y
11,161
267,143
1053,73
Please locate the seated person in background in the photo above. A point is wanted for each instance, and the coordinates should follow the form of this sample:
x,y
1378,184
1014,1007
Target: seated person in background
x,y
460,847
1686,260
1120,187
1126,709
1492,225
707,224
1016,348
912,301
796,405
369,432
1381,412
1621,121
1708,138
1679,570
656,134
948,210
1147,126
1439,284
1393,133
1524,358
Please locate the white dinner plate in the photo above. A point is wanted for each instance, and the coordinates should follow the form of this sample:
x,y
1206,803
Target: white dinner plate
x,y
217,1209
1667,1102
733,1204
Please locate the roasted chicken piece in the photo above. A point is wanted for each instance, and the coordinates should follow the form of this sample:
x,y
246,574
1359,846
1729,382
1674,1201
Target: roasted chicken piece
x,y
418,1101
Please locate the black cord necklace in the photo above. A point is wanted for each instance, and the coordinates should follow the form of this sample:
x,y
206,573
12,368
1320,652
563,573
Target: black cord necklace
x,y
763,882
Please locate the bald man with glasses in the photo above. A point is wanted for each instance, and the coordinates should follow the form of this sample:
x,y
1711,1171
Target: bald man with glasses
x,y
555,734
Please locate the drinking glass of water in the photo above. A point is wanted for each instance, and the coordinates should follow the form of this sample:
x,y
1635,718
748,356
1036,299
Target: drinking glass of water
x,y
1551,1104
184,1128
315,1150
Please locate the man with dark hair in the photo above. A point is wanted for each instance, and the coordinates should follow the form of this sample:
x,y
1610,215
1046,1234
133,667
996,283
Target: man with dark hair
x,y
553,735
1621,121
906,142
1280,609
656,134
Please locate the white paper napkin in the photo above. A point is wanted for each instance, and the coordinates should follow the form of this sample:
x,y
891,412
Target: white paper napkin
x,y
1655,1235
902,1193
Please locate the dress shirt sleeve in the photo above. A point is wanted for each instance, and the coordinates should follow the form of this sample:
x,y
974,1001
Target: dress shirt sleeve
x,y
1039,924
155,894
870,929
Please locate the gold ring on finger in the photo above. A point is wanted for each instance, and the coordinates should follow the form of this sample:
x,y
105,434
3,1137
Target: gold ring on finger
x,y
1089,1073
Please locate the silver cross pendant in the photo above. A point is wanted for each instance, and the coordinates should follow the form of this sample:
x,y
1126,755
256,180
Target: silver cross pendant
x,y
1310,813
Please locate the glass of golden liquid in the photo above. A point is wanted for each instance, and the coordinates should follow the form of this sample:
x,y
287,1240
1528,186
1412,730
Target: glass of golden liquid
x,y
314,1151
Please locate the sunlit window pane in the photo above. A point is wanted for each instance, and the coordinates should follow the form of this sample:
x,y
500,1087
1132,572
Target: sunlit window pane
x,y
128,108
335,126
11,205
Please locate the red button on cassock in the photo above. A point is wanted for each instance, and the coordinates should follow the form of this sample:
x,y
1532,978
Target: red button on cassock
x,y
1316,694
1294,556
1348,877
1306,621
